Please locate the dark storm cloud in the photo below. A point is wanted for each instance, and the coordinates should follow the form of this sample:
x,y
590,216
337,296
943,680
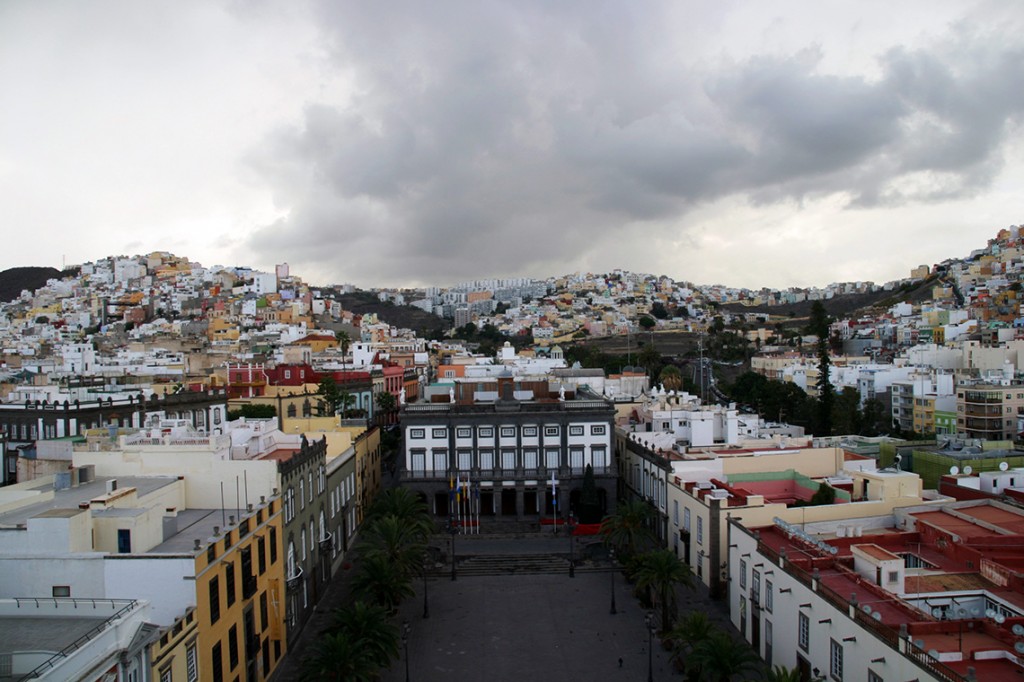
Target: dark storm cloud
x,y
489,139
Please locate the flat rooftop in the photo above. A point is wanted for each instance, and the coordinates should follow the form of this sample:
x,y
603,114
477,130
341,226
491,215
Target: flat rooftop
x,y
70,499
43,633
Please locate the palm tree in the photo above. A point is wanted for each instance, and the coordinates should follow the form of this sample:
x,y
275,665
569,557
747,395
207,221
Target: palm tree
x,y
407,506
382,581
671,378
718,657
344,341
628,529
368,624
689,631
337,657
401,545
782,674
660,571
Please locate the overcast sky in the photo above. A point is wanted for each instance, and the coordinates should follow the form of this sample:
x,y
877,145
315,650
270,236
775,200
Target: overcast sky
x,y
409,143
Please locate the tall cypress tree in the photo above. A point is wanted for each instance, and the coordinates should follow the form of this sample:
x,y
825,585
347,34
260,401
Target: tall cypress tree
x,y
819,326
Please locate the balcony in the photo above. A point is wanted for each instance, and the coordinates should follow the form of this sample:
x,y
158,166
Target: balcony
x,y
327,543
293,582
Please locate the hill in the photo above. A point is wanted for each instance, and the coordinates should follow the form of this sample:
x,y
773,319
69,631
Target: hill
x,y
15,280
401,316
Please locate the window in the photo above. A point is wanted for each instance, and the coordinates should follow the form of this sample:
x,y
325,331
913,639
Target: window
x,y
530,431
264,619
599,455
61,590
248,577
835,667
768,641
191,664
874,677
487,432
700,530
233,647
214,588
893,576
310,486
768,598
743,573
229,582
463,432
302,494
551,431
551,458
292,410
575,430
261,554
686,519
215,663
465,458
675,512
289,505
273,545
508,432
302,544
598,430
165,675
417,433
439,433
803,631
487,459
755,585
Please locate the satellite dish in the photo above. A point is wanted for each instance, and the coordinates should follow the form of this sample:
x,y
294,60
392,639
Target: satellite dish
x,y
954,470
834,550
934,653
867,608
1000,618
976,610
968,470
961,611
1003,466
919,643
936,612
1018,629
876,615
1019,646
990,613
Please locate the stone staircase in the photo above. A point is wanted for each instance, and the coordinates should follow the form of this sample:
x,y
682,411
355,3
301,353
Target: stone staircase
x,y
520,564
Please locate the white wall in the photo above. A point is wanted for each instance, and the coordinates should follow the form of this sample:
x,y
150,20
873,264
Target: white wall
x,y
167,582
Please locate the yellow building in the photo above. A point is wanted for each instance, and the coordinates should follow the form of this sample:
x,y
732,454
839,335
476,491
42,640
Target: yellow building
x,y
174,655
240,598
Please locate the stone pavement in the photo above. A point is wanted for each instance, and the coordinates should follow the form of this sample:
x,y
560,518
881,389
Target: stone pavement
x,y
517,626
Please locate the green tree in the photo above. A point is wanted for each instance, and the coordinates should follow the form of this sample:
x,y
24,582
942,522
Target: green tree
x,y
658,310
688,632
649,359
330,395
660,571
252,411
386,404
382,582
819,326
590,509
370,625
344,341
629,528
719,657
671,378
782,674
392,539
337,657
825,494
345,401
405,505
647,322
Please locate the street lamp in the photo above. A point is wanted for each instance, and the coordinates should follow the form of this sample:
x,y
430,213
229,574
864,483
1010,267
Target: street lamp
x,y
570,524
426,565
611,562
405,646
453,529
649,622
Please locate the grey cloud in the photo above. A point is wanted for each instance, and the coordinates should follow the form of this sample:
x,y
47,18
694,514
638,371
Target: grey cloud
x,y
497,138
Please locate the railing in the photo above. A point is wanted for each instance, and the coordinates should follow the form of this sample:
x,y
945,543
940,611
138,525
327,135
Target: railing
x,y
506,474
292,582
880,630
81,641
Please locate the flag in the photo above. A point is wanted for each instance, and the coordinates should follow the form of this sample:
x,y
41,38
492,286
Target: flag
x,y
554,490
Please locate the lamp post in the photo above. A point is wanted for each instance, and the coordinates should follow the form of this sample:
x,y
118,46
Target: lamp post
x,y
405,646
649,622
426,564
453,529
570,524
611,561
